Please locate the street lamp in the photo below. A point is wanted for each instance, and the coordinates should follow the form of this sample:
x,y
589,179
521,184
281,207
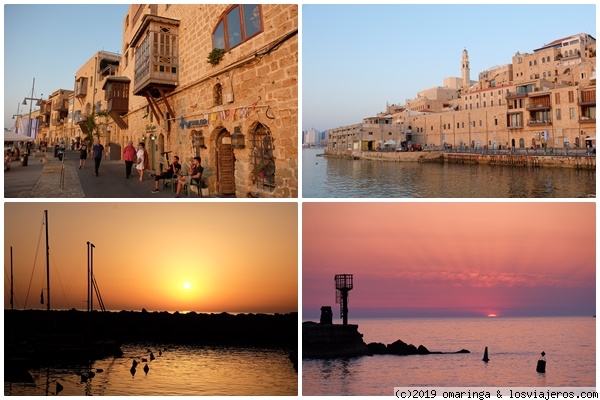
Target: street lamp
x,y
38,103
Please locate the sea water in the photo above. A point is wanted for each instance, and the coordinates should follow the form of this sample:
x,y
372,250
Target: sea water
x,y
179,371
514,345
330,177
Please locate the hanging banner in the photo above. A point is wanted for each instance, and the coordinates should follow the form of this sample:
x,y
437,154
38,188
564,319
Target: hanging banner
x,y
24,128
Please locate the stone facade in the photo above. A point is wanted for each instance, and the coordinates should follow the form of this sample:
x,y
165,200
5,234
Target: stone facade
x,y
239,114
546,98
253,90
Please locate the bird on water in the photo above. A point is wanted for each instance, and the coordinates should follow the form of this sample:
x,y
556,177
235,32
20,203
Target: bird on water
x,y
146,369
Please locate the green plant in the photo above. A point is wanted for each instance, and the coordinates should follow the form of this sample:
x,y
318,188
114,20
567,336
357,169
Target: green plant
x,y
215,56
92,127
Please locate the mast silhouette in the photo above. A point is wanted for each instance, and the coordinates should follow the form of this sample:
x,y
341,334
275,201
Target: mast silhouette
x,y
47,262
11,280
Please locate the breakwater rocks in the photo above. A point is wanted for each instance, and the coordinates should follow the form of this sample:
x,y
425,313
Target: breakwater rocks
x,y
271,330
344,341
399,348
332,341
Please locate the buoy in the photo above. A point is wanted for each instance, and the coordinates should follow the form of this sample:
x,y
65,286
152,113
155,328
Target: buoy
x,y
541,364
485,355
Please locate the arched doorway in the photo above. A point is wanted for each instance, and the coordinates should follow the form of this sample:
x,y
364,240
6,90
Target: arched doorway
x,y
225,164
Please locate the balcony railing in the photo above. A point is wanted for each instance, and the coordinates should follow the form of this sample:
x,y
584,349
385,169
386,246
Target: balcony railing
x,y
537,106
587,120
60,105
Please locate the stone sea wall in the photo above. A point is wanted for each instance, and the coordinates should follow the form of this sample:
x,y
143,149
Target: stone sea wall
x,y
578,162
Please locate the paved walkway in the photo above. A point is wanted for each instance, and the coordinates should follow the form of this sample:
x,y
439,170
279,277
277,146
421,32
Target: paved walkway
x,y
41,178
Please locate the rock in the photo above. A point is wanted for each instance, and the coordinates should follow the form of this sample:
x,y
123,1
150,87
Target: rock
x,y
401,349
332,341
422,350
463,351
377,348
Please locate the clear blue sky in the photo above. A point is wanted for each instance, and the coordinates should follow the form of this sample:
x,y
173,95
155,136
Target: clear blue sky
x,y
50,43
355,58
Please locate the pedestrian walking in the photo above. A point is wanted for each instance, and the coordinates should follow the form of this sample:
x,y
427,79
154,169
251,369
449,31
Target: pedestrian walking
x,y
143,162
98,152
129,155
83,151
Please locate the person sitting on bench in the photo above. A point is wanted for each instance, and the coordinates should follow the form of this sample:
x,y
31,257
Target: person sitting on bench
x,y
195,174
173,169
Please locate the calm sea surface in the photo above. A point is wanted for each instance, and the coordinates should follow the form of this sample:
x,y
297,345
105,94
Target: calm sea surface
x,y
328,177
180,371
514,346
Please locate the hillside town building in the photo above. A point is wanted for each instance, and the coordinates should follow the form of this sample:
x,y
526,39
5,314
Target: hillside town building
x,y
545,99
215,81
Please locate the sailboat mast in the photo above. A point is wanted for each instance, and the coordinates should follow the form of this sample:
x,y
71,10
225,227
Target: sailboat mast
x,y
11,280
92,278
88,276
47,262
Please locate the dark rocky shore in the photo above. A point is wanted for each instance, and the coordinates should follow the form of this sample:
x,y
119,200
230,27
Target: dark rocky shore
x,y
344,341
276,330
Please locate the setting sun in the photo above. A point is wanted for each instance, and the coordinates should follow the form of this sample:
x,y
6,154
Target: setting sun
x,y
492,315
187,285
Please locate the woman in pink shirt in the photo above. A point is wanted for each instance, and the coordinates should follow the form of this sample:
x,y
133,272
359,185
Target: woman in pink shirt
x,y
129,155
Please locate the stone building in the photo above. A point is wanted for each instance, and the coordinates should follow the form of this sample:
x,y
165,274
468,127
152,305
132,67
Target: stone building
x,y
216,81
236,108
372,134
53,116
89,97
542,99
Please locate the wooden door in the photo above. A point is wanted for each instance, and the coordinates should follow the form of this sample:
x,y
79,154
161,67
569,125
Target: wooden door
x,y
225,166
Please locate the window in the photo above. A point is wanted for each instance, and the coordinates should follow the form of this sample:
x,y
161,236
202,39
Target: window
x,y
571,113
262,158
218,95
557,98
571,97
237,25
558,114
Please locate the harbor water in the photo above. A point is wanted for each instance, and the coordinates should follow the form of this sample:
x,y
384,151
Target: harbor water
x,y
329,177
514,344
178,371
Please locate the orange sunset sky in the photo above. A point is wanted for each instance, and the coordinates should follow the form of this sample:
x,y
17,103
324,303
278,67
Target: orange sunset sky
x,y
451,259
203,257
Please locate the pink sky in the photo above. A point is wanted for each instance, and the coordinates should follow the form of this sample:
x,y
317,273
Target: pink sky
x,y
438,258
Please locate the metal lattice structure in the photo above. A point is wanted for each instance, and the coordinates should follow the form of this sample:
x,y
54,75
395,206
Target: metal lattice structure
x,y
263,158
343,284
